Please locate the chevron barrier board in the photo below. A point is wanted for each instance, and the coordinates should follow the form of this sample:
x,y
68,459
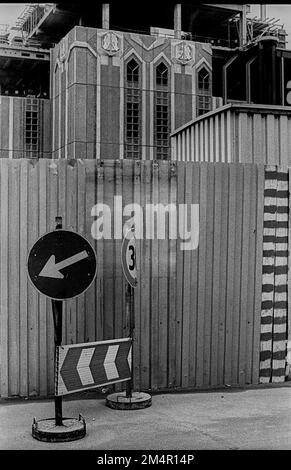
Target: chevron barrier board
x,y
89,365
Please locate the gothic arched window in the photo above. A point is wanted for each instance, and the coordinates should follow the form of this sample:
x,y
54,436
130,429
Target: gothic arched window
x,y
132,71
132,110
203,79
162,74
162,112
203,91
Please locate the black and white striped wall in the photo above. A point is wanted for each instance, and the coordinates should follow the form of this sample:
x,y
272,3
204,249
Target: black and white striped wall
x,y
274,312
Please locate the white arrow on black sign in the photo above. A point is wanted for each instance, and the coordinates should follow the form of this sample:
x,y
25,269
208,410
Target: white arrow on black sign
x,y
52,269
61,264
89,365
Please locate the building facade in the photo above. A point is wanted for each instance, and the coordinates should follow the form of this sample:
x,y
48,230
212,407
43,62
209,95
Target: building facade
x,y
25,127
87,84
119,95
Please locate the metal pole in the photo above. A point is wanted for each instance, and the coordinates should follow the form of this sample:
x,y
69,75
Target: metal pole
x,y
57,308
129,297
263,12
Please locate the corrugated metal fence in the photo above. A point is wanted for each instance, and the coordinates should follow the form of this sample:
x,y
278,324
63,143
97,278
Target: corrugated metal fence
x,y
197,312
237,134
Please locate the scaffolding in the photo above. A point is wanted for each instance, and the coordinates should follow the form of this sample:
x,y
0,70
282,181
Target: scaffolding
x,y
257,28
237,31
24,16
31,16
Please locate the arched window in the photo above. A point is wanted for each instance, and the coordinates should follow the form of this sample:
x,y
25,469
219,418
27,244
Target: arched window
x,y
162,112
203,79
132,110
162,74
132,71
203,91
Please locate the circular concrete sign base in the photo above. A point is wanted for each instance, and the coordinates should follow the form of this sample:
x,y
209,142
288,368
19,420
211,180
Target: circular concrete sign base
x,y
119,401
47,431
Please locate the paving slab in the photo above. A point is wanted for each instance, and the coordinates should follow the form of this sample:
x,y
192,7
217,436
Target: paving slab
x,y
228,419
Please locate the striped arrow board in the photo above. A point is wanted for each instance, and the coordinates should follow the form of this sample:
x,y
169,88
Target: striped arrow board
x,y
89,365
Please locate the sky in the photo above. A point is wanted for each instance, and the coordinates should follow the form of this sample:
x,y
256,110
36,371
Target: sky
x,y
9,12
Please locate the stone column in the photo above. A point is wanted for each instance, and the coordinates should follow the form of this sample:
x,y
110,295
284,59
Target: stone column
x,y
243,27
105,16
177,20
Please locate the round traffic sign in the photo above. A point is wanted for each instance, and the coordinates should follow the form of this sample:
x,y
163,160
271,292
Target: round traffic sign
x,y
61,264
128,258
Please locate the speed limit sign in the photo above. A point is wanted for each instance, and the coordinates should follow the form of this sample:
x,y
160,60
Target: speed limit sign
x,y
128,257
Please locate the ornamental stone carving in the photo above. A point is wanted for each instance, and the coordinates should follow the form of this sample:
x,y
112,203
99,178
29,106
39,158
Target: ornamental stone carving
x,y
110,43
183,52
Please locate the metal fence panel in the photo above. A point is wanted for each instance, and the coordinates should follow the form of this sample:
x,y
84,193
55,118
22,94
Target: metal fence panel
x,y
197,311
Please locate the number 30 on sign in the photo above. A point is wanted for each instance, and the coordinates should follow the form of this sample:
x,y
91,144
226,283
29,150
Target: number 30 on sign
x,y
128,257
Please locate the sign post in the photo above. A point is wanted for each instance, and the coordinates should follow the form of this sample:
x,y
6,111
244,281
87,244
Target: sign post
x,y
61,265
129,302
129,399
128,260
57,308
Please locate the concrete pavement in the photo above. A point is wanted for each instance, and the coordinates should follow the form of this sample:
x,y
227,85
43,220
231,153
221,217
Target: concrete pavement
x,y
226,419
